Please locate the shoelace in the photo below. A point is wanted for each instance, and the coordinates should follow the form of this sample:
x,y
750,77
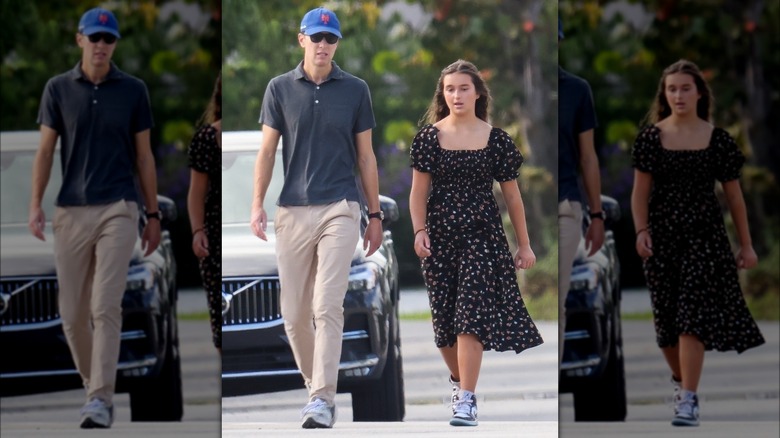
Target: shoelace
x,y
686,407
462,405
94,405
316,404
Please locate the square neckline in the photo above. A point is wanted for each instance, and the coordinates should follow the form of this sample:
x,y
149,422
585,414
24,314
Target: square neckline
x,y
661,143
438,143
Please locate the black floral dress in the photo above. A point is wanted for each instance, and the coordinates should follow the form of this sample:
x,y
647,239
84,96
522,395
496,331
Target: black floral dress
x,y
692,275
205,156
470,274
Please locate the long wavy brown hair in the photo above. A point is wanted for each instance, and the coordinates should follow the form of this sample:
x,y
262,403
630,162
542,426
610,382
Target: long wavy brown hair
x,y
438,108
214,109
661,108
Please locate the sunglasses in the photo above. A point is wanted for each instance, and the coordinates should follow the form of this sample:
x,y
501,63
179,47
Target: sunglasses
x,y
107,37
329,37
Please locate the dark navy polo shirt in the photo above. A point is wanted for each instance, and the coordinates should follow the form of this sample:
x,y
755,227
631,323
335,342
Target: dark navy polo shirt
x,y
575,115
97,126
318,124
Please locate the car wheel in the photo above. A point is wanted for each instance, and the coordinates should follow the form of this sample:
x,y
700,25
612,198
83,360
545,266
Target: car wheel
x,y
384,399
604,399
160,398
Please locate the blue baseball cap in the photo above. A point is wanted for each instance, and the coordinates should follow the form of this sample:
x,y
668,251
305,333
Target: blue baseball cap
x,y
98,20
320,20
560,29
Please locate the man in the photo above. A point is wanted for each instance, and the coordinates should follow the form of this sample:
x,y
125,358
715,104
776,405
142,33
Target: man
x,y
102,117
324,118
576,122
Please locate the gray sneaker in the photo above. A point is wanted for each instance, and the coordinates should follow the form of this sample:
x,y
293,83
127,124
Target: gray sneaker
x,y
97,414
455,391
686,409
465,409
676,387
318,414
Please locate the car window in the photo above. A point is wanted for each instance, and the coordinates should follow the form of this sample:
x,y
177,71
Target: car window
x,y
15,186
238,169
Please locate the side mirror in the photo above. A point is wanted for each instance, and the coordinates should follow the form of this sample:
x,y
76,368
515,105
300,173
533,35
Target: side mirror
x,y
390,209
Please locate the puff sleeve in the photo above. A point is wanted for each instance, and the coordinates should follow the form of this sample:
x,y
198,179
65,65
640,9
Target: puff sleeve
x,y
644,154
730,158
422,151
507,159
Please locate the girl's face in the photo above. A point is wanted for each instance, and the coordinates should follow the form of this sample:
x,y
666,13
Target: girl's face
x,y
681,93
460,94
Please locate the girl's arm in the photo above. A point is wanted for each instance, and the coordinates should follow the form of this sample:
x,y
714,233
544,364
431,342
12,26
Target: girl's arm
x,y
746,256
418,199
640,197
525,257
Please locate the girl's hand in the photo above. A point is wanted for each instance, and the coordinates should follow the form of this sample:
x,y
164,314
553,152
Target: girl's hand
x,y
200,244
746,258
422,244
525,257
644,244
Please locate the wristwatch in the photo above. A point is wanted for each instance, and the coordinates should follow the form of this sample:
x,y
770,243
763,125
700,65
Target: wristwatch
x,y
154,214
377,215
598,214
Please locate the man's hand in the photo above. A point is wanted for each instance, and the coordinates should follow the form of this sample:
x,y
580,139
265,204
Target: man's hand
x,y
594,237
150,239
37,222
372,239
259,222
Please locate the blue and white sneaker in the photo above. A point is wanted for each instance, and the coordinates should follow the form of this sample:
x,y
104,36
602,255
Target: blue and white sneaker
x,y
318,414
464,409
97,414
686,409
455,391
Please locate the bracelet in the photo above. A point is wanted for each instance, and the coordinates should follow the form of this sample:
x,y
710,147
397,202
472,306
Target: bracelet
x,y
642,229
418,231
197,230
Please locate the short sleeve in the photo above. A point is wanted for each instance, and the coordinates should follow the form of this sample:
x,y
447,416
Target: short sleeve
x,y
365,116
200,148
49,111
507,158
422,150
270,112
644,152
730,158
142,119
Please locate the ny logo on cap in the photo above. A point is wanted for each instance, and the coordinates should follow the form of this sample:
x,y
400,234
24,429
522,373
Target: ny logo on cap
x,y
103,18
325,18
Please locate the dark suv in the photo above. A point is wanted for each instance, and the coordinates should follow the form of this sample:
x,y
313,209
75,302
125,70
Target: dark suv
x,y
256,356
36,357
592,364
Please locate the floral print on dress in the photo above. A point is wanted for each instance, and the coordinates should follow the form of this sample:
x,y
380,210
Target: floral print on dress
x,y
205,156
470,274
692,275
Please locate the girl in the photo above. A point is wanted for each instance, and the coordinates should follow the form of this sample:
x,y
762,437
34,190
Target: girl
x,y
468,268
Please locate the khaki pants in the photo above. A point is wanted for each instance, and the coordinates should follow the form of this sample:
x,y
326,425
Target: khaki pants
x,y
314,248
569,234
93,246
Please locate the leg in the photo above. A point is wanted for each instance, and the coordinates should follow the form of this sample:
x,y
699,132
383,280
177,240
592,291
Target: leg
x,y
691,361
338,231
118,233
672,356
450,355
296,258
75,261
470,351
569,234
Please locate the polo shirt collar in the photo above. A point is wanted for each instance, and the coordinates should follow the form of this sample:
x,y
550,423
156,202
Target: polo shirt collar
x,y
113,72
335,72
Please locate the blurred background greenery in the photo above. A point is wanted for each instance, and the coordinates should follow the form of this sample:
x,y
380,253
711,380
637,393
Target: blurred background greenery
x,y
621,47
173,46
399,48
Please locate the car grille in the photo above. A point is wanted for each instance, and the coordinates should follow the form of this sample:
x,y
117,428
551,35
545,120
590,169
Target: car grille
x,y
254,300
28,301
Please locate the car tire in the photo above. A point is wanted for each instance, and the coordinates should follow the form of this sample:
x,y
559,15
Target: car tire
x,y
384,399
604,399
160,397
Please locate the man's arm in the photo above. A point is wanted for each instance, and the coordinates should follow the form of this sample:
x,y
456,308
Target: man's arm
x,y
591,178
264,167
40,179
147,174
369,177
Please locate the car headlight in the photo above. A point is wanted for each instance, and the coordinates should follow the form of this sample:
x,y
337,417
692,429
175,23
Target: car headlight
x,y
140,277
363,277
584,277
